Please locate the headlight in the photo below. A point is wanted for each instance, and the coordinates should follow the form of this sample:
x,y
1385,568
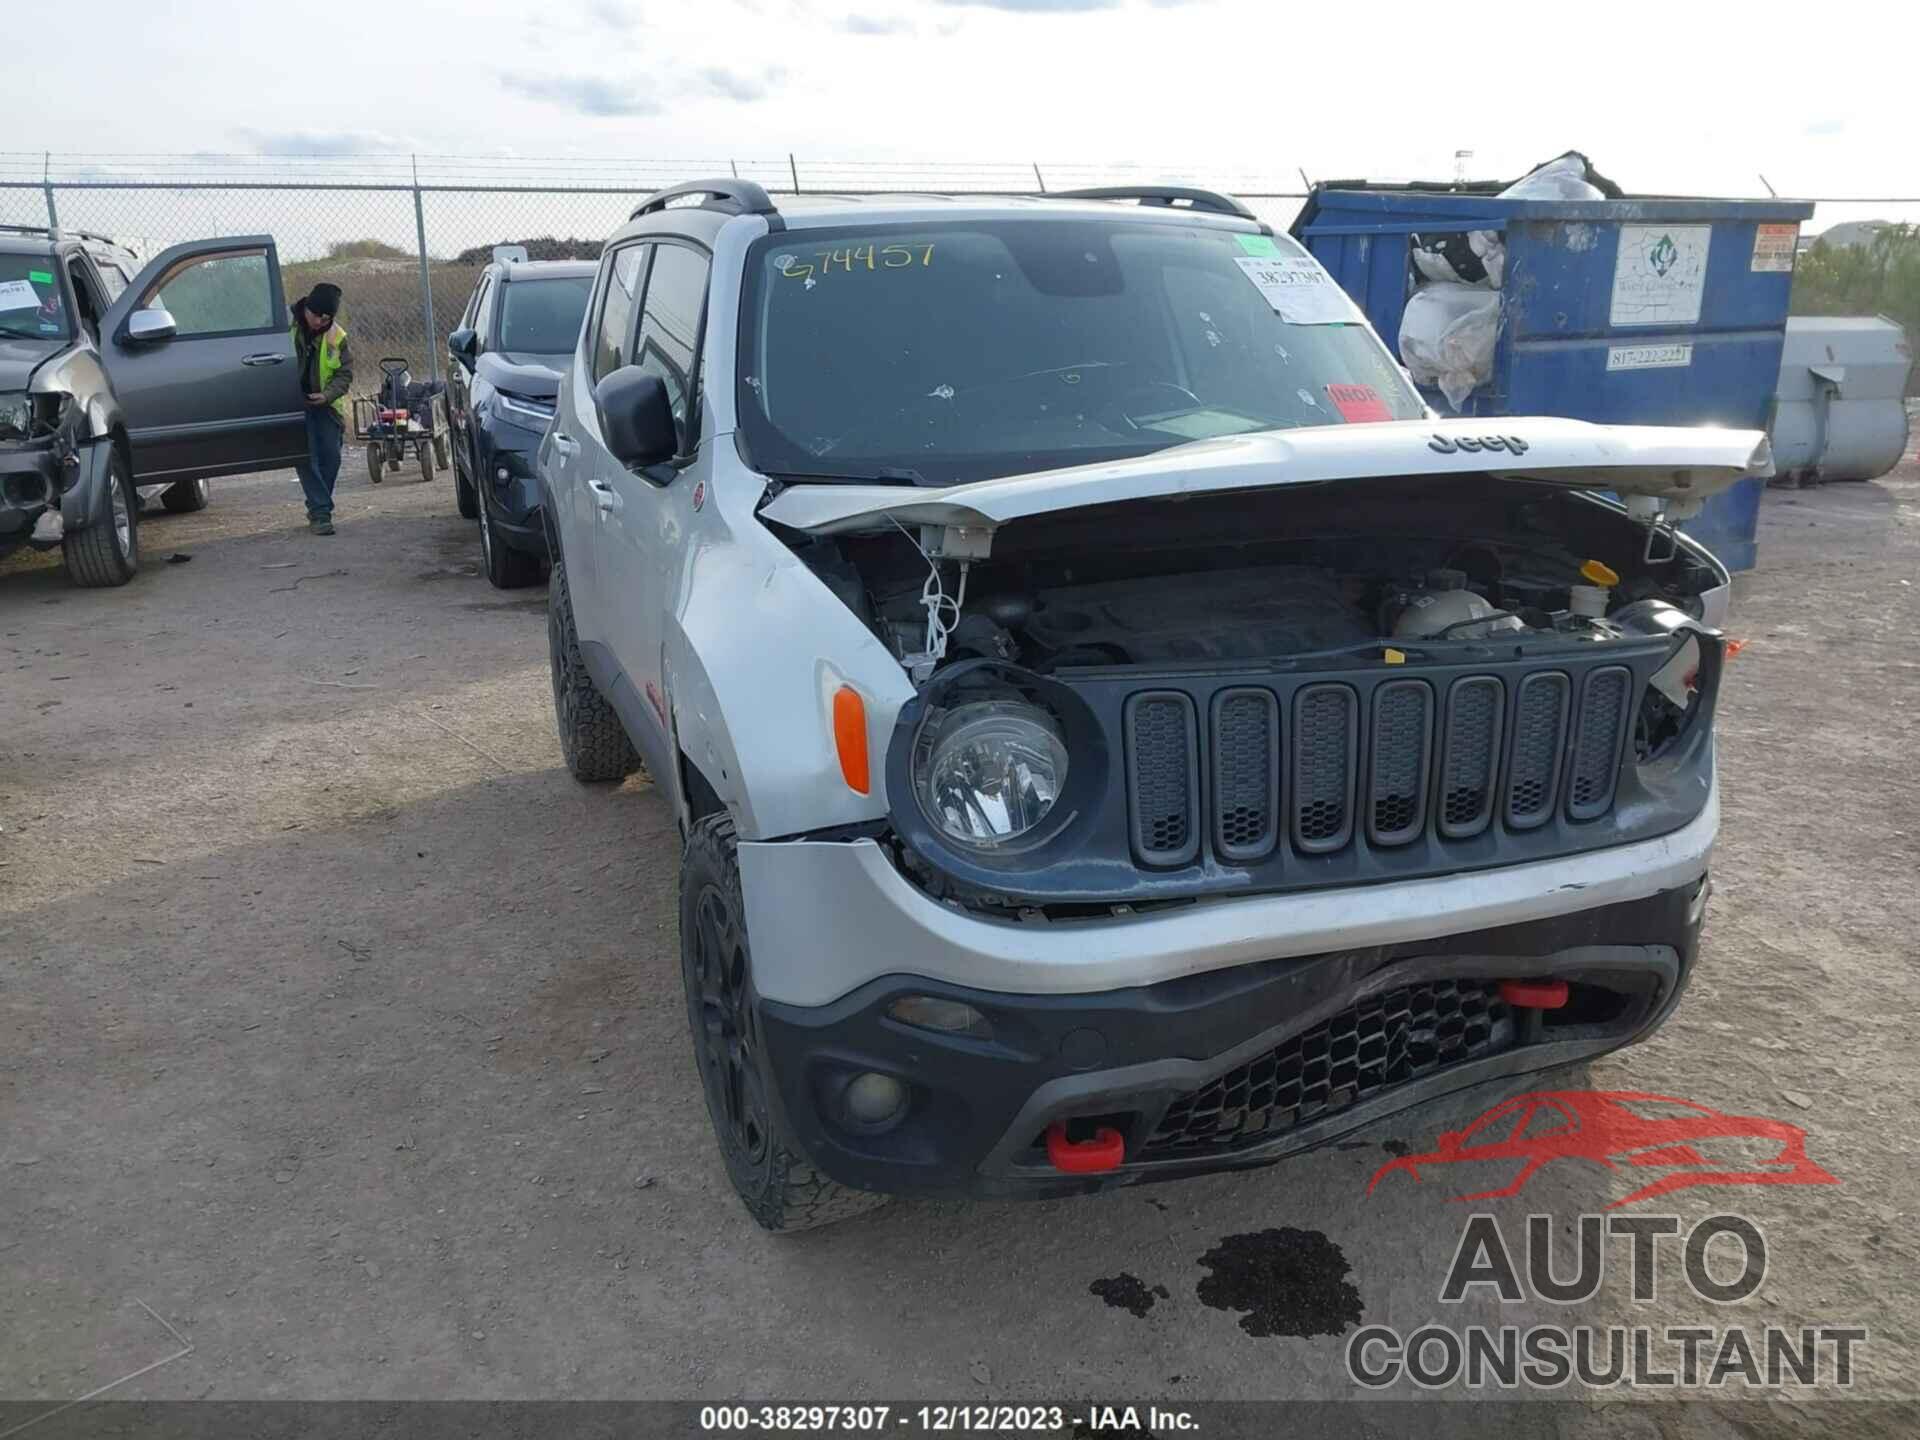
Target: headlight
x,y
989,771
16,415
524,410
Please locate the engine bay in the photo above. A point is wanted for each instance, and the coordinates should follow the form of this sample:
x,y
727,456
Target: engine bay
x,y
1265,576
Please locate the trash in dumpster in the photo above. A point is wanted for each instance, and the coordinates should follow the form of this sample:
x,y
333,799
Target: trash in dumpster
x,y
1447,337
1625,310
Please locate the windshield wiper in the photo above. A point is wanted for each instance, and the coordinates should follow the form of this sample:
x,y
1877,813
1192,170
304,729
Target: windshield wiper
x,y
883,475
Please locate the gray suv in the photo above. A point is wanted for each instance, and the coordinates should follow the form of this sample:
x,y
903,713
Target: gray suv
x,y
1117,731
118,379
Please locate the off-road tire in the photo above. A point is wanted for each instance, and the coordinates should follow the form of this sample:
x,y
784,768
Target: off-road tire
x,y
507,568
781,1190
185,497
97,556
465,496
592,740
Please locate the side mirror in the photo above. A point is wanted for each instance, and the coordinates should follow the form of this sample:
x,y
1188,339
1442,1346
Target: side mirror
x,y
463,345
636,418
144,326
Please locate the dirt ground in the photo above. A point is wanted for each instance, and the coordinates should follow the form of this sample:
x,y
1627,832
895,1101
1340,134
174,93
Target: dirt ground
x,y
342,1032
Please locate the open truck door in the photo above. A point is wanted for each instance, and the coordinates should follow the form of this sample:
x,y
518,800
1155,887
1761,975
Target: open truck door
x,y
199,353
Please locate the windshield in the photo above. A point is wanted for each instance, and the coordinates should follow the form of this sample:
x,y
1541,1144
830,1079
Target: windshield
x,y
542,317
31,306
962,351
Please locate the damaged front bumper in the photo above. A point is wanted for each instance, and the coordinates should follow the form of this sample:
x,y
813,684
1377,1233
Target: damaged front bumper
x,y
33,478
1215,1071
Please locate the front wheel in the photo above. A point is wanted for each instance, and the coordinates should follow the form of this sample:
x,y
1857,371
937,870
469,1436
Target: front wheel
x,y
107,552
376,467
507,568
780,1189
426,459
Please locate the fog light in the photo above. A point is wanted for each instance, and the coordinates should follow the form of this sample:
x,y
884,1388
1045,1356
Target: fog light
x,y
953,1017
502,475
873,1100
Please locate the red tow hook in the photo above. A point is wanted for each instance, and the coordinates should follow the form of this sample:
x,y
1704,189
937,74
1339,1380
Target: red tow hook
x,y
1103,1152
1534,994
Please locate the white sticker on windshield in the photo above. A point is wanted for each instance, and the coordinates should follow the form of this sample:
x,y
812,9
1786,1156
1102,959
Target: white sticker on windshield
x,y
1300,292
18,295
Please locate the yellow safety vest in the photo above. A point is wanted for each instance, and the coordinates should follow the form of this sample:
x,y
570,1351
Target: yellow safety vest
x,y
329,362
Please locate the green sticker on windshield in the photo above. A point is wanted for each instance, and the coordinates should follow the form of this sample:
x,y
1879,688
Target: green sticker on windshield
x,y
40,277
1261,245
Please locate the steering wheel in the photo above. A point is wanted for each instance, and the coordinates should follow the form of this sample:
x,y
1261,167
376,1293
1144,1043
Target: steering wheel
x,y
1138,398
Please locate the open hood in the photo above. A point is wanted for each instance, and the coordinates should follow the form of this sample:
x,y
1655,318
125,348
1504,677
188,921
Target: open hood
x,y
523,372
1677,467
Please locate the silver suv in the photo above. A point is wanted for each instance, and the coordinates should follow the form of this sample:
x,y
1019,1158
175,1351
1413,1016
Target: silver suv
x,y
1117,731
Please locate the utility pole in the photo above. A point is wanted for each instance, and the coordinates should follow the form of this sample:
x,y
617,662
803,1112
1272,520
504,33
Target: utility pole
x,y
426,275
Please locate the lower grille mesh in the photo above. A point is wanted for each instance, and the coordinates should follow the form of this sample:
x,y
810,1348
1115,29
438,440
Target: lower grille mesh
x,y
1391,1039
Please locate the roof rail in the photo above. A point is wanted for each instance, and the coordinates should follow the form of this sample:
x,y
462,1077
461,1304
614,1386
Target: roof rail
x,y
1165,195
739,197
61,232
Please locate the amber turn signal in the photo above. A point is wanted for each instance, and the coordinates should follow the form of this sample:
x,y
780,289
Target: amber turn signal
x,y
850,737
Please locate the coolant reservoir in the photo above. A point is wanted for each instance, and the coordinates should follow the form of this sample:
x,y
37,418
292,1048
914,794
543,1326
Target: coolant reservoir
x,y
1447,608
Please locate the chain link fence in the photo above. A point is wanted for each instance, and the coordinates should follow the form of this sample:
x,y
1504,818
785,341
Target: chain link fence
x,y
364,222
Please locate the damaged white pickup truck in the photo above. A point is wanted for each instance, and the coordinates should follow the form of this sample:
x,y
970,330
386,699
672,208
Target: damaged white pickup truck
x,y
1117,731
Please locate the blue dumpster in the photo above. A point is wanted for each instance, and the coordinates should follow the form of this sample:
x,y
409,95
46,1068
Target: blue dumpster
x,y
1639,311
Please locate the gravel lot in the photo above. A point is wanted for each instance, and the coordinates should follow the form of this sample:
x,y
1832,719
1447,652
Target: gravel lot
x,y
343,1030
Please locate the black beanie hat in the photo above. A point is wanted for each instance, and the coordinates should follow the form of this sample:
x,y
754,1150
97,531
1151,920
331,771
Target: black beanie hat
x,y
324,299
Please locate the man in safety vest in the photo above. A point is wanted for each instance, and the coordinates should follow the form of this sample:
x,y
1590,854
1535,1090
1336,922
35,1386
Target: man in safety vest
x,y
326,374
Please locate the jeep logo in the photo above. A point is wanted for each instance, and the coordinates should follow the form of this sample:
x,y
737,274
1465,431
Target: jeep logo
x,y
1512,444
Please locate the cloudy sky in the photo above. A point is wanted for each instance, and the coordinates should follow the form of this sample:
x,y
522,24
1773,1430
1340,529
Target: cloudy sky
x,y
1665,95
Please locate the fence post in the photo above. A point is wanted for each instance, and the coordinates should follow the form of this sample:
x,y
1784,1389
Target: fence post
x,y
1038,178
46,186
426,275
793,169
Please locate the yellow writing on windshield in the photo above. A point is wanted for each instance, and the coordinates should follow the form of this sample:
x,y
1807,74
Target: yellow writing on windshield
x,y
858,259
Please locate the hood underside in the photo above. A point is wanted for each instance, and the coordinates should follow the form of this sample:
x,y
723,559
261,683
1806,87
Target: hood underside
x,y
1681,466
523,372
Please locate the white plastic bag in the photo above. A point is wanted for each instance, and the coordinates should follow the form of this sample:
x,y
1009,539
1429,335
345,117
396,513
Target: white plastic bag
x,y
1491,247
1447,337
1562,179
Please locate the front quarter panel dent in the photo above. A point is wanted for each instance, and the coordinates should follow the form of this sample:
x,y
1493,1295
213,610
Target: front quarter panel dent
x,y
757,638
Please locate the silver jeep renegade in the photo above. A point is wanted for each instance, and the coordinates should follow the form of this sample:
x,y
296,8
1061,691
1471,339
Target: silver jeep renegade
x,y
1117,730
